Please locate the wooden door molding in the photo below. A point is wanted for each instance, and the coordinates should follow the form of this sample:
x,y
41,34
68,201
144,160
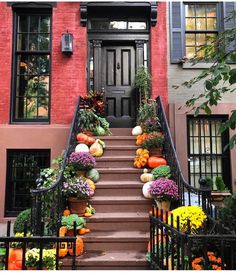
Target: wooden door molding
x,y
97,51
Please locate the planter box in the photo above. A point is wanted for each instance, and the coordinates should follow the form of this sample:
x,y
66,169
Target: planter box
x,y
218,197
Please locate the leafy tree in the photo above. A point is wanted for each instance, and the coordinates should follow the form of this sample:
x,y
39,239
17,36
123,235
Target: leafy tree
x,y
219,79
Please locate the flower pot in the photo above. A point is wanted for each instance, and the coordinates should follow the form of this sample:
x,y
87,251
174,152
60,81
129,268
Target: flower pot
x,y
77,206
164,205
218,197
156,151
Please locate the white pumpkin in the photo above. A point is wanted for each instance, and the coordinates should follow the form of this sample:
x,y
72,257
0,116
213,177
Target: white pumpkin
x,y
146,177
81,148
146,193
137,131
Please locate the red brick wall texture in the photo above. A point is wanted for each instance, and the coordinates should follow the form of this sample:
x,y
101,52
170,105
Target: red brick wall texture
x,y
68,79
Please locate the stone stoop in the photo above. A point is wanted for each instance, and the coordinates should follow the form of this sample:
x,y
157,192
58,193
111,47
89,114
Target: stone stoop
x,y
120,228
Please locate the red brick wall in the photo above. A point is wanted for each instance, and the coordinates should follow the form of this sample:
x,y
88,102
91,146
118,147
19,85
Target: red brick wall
x,y
5,58
159,55
68,73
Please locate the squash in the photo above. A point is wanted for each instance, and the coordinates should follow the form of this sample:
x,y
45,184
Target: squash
x,y
141,158
85,139
96,149
155,161
81,148
91,184
79,247
145,190
146,177
66,212
63,250
141,138
87,214
62,231
137,131
93,175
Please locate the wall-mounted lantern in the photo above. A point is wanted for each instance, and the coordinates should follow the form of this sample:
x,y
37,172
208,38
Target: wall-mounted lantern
x,y
67,43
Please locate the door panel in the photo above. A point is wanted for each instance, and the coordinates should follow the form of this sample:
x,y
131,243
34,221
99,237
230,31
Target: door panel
x,y
117,76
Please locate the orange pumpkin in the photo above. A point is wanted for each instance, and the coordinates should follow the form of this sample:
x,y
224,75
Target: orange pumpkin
x,y
82,231
15,259
64,250
79,247
141,158
155,161
62,231
66,212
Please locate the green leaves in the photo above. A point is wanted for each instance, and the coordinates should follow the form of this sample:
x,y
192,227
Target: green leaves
x,y
232,79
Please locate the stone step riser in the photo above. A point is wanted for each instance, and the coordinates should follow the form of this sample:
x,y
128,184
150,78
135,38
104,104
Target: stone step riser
x,y
119,152
121,164
109,208
106,267
119,177
121,131
119,141
116,246
118,191
117,226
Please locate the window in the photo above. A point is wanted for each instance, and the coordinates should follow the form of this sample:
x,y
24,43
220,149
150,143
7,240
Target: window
x,y
206,154
200,27
106,24
23,167
31,84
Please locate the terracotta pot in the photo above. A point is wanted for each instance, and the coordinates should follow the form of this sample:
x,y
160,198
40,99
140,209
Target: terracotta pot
x,y
164,205
156,151
77,206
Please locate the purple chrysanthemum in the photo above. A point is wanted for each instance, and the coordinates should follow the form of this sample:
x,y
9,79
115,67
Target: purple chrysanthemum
x,y
82,160
164,189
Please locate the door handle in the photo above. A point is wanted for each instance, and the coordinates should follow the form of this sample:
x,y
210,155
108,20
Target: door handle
x,y
118,65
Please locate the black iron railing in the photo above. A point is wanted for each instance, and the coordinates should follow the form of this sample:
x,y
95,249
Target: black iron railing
x,y
9,245
48,203
173,249
188,195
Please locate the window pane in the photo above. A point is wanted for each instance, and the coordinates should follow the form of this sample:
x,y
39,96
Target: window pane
x,y
190,52
32,86
43,86
43,64
45,24
34,23
211,10
33,64
211,23
200,24
33,42
137,25
23,23
210,38
190,39
44,41
190,23
200,39
190,10
200,11
31,107
118,25
22,41
43,107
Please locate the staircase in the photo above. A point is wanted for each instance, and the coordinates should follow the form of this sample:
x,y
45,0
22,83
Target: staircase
x,y
120,228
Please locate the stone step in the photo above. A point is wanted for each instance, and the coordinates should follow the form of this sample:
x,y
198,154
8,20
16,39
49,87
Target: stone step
x,y
120,150
112,260
115,161
118,140
119,174
118,188
107,204
116,240
121,131
117,221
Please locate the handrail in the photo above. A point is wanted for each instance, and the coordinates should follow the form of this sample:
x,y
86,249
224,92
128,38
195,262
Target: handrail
x,y
203,194
47,203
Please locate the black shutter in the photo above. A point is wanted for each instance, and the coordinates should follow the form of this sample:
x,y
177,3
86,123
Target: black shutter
x,y
176,31
228,8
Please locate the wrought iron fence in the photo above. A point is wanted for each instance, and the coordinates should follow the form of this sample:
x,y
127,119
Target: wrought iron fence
x,y
189,195
15,251
214,247
48,203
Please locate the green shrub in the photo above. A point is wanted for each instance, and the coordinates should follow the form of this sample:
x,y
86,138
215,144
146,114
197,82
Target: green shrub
x,y
161,172
209,182
220,185
23,217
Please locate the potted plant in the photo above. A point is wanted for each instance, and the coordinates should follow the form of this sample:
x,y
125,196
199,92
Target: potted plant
x,y
151,124
220,193
192,215
68,222
32,257
78,192
81,161
154,142
164,191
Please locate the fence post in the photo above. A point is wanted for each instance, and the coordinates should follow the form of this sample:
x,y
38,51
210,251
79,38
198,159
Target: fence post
x,y
206,195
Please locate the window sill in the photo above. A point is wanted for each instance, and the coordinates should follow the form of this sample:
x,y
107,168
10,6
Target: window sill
x,y
189,65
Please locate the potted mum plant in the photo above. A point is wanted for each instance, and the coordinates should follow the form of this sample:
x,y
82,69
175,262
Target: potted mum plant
x,y
81,161
32,257
78,192
153,143
164,191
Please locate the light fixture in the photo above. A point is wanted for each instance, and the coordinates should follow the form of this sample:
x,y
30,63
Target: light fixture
x,y
67,43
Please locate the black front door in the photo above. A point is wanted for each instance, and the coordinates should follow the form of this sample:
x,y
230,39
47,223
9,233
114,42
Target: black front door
x,y
118,72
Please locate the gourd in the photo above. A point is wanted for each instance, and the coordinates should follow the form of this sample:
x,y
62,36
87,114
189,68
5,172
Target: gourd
x,y
137,131
141,158
62,231
96,149
146,177
79,249
93,175
91,184
145,190
155,161
66,212
141,138
81,148
83,138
